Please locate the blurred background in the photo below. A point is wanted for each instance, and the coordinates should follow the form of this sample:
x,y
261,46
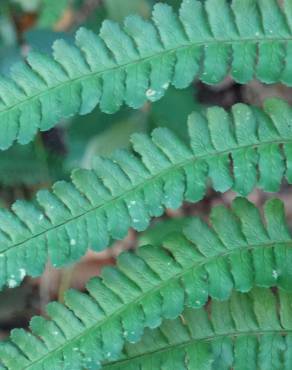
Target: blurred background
x,y
35,24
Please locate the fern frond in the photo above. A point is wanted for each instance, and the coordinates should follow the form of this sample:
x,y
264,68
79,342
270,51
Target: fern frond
x,y
239,252
245,333
240,150
209,39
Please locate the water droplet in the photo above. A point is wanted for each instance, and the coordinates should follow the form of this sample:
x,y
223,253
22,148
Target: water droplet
x,y
150,93
12,283
275,274
22,273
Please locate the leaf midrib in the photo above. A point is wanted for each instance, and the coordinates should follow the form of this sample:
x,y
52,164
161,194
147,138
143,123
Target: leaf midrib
x,y
160,286
92,74
163,173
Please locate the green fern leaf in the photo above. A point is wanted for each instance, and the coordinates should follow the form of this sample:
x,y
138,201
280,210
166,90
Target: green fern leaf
x,y
237,253
138,62
245,333
236,151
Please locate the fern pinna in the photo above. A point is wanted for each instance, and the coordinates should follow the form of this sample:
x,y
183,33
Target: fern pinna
x,y
238,253
215,296
240,150
251,331
137,62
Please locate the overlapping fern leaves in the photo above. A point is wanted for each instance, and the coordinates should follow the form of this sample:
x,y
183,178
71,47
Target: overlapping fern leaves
x,y
251,331
238,253
240,150
208,40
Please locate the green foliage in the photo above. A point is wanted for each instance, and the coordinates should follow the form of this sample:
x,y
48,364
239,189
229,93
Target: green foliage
x,y
9,52
139,61
198,296
29,165
100,134
51,12
119,9
117,135
251,331
85,129
238,253
28,5
156,234
164,113
246,148
7,30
